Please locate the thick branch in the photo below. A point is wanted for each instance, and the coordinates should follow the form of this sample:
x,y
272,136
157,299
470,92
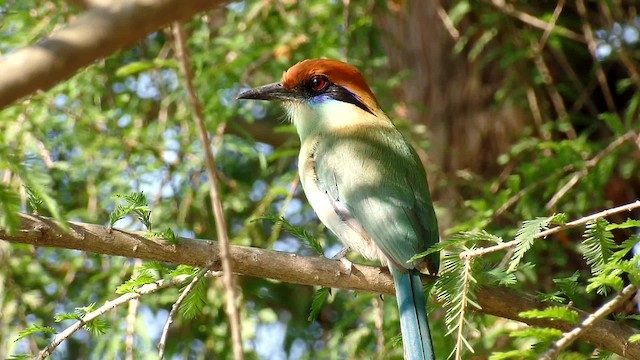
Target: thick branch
x,y
95,34
292,268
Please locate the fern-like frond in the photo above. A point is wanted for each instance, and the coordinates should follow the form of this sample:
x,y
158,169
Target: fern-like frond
x,y
298,232
195,300
525,238
598,245
319,298
455,289
552,312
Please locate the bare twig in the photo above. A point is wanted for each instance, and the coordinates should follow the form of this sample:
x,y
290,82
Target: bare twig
x,y
551,25
304,270
214,193
571,336
378,321
175,307
510,10
543,234
448,24
132,316
109,305
591,42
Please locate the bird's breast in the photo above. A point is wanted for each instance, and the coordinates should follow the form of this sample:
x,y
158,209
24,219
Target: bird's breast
x,y
328,207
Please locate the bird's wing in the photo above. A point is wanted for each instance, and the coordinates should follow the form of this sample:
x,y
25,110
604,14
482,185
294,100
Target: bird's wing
x,y
376,182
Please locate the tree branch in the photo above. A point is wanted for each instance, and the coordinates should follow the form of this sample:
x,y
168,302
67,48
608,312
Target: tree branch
x,y
296,269
103,29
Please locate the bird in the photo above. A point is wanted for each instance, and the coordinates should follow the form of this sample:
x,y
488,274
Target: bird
x,y
365,182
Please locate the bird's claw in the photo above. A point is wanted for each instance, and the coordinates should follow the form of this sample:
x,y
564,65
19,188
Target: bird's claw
x,y
342,257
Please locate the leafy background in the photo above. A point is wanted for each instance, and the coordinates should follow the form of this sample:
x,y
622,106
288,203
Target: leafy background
x,y
505,109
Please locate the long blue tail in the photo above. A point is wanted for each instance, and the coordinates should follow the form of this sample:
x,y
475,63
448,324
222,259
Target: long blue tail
x,y
416,337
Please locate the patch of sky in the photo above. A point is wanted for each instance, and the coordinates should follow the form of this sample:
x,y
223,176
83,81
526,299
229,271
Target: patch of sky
x,y
60,101
228,96
124,120
237,7
263,148
287,244
171,146
118,87
610,40
146,88
269,342
258,190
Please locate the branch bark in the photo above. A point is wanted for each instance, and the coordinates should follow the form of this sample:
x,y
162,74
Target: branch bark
x,y
101,30
292,268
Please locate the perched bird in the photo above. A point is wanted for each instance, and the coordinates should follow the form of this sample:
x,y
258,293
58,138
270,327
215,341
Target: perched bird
x,y
365,182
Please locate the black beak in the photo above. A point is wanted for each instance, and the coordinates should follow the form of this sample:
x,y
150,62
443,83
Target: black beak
x,y
273,91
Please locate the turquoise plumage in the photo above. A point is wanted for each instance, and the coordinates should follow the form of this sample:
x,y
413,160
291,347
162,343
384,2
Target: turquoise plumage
x,y
363,179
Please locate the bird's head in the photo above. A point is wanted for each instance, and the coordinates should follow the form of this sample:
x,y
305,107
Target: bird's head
x,y
322,94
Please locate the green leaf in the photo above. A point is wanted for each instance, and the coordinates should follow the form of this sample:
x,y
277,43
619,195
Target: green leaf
x,y
9,209
634,338
296,231
525,238
166,234
569,286
319,298
552,312
136,203
598,245
543,334
141,277
513,354
630,223
195,300
459,239
140,66
33,329
67,316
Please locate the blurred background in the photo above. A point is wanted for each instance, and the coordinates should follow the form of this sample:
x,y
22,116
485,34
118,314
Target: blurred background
x,y
518,109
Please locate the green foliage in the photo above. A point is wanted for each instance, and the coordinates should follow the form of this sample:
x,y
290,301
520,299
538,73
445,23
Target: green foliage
x,y
136,203
34,329
552,312
598,245
298,232
9,208
525,238
569,286
195,301
319,298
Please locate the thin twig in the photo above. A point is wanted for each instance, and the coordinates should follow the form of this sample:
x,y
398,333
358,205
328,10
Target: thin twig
x,y
378,322
275,233
571,336
551,25
176,306
534,21
109,305
543,234
591,42
132,316
446,21
631,135
214,193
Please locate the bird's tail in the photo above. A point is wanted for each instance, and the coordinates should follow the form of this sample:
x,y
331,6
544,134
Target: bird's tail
x,y
416,336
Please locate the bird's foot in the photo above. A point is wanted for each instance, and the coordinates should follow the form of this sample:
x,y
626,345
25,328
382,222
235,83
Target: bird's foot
x,y
342,257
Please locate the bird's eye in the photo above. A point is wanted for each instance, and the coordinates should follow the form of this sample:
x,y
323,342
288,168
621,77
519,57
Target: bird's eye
x,y
319,82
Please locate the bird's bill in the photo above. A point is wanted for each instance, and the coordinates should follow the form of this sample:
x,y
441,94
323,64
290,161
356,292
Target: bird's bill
x,y
273,91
